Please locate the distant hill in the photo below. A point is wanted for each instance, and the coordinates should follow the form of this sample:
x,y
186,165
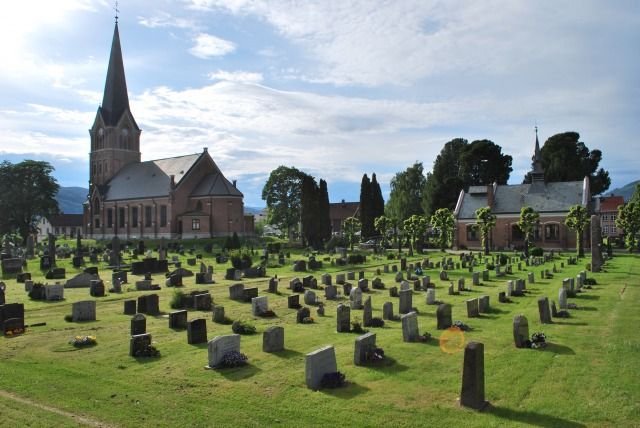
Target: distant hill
x,y
70,199
252,210
625,191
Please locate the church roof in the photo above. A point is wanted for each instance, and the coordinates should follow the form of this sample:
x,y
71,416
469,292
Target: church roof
x,y
510,198
215,185
115,99
149,179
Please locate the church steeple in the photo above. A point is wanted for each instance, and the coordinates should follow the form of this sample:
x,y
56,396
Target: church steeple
x,y
115,99
537,171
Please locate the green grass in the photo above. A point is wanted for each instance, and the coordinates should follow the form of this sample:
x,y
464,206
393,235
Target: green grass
x,y
586,377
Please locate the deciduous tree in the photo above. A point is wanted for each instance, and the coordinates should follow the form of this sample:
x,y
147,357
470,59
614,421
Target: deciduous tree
x,y
405,198
486,221
528,221
629,220
442,222
578,219
351,227
283,193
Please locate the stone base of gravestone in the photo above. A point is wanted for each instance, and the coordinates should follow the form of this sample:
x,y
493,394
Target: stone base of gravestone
x,y
273,339
364,346
178,320
197,331
472,391
317,364
219,346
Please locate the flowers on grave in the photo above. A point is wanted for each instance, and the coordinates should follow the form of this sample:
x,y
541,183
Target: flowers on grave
x,y
588,282
333,380
308,320
148,351
374,354
356,326
267,314
81,341
233,359
424,337
243,327
461,326
538,340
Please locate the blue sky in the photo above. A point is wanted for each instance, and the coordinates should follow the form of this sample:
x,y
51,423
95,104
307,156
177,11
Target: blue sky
x,y
334,88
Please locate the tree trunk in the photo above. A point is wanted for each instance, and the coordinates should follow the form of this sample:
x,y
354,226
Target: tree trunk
x,y
580,247
526,247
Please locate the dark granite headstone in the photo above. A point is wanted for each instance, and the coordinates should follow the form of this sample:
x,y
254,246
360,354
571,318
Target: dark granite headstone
x,y
472,393
197,331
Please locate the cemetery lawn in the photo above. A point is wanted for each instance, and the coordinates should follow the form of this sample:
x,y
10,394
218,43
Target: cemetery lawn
x,y
587,375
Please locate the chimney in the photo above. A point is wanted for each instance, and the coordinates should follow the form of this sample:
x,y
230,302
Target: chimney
x,y
172,185
234,183
490,196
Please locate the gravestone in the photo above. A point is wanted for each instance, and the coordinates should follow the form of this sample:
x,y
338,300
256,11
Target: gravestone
x,y
309,298
219,346
363,284
54,292
410,331
394,268
475,278
361,275
346,289
129,307
385,268
149,304
367,313
259,305
236,292
520,331
483,304
293,301
28,285
431,296
443,275
302,314
178,319
138,324
317,364
202,302
96,288
114,258
406,301
138,343
531,278
351,276
426,282
393,291
472,391
355,298
451,290
387,311
273,285
249,293
472,308
510,290
340,278
343,319
399,277
596,244
443,315
326,279
81,280
460,284
502,297
197,331
364,346
218,314
404,285
116,286
562,299
83,311
544,311
273,339
485,275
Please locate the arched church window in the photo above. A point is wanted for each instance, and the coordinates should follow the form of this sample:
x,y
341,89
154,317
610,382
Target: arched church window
x,y
199,206
96,206
100,138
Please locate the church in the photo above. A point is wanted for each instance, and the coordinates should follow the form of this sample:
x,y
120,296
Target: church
x,y
551,200
179,197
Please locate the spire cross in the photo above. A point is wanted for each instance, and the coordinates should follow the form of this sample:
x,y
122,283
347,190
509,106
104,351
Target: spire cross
x,y
117,11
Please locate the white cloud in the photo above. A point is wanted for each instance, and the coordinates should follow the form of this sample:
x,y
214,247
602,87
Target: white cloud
x,y
208,46
166,20
236,76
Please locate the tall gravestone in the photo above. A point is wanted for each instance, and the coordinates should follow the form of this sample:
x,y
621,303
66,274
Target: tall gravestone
x,y
387,311
196,331
410,331
443,316
317,364
52,250
562,299
364,345
472,392
520,331
367,313
138,324
343,319
114,259
406,301
544,311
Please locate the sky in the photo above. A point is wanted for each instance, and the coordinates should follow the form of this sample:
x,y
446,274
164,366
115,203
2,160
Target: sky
x,y
335,88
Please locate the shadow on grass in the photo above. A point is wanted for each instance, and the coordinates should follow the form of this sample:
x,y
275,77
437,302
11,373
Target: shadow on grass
x,y
388,365
532,418
587,296
569,323
287,354
239,373
493,310
559,349
586,308
351,390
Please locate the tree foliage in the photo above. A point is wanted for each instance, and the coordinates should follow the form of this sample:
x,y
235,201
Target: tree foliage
x,y
578,219
406,193
383,225
365,209
27,191
460,165
283,195
415,227
377,201
442,222
527,223
486,221
351,227
314,212
444,183
565,158
628,219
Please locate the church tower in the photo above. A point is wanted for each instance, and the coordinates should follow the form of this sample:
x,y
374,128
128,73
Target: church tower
x,y
115,136
537,172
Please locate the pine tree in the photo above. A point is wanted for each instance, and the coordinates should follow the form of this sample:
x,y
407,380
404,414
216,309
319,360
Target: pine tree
x,y
324,217
366,219
377,201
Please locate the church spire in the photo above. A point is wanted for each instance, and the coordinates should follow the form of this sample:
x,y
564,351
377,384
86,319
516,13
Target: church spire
x,y
537,172
115,100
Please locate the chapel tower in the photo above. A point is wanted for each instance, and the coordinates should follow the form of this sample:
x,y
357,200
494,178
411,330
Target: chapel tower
x,y
115,136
